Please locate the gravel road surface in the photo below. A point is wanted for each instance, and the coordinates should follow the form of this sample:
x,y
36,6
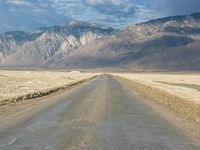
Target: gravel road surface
x,y
101,114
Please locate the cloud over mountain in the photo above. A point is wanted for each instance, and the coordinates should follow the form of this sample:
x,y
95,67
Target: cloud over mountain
x,y
29,14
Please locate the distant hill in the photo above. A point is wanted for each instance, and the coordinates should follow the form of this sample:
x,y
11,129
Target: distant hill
x,y
170,44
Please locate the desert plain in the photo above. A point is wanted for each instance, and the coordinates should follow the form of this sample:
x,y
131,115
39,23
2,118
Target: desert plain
x,y
185,85
14,84
99,111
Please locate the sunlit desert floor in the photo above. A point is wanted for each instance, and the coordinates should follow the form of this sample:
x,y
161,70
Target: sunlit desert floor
x,y
106,112
18,83
185,86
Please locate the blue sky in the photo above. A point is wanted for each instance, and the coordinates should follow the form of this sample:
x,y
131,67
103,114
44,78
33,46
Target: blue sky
x,y
30,14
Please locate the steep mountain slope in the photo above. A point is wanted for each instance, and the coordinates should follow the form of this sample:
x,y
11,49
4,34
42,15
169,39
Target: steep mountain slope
x,y
21,49
171,43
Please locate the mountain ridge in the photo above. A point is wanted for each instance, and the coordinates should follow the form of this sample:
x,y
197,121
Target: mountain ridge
x,y
141,46
41,44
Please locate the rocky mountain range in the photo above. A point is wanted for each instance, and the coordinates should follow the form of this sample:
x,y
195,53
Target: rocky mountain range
x,y
168,44
33,49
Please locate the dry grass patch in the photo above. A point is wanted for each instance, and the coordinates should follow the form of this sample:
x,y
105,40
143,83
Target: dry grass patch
x,y
19,85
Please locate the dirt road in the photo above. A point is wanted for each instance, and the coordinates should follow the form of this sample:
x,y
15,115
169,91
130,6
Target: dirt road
x,y
101,114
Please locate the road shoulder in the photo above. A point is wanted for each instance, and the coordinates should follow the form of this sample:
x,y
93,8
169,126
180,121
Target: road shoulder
x,y
158,102
14,113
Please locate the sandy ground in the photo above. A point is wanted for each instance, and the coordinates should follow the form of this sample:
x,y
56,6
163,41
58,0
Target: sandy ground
x,y
102,113
179,106
18,83
185,86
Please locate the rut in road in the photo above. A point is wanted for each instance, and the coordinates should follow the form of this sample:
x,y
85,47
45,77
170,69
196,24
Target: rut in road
x,y
100,114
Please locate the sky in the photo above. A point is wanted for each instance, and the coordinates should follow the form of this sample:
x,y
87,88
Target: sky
x,y
30,14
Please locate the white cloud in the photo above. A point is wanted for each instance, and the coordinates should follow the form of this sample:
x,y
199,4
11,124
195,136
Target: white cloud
x,y
117,13
18,2
143,14
97,2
